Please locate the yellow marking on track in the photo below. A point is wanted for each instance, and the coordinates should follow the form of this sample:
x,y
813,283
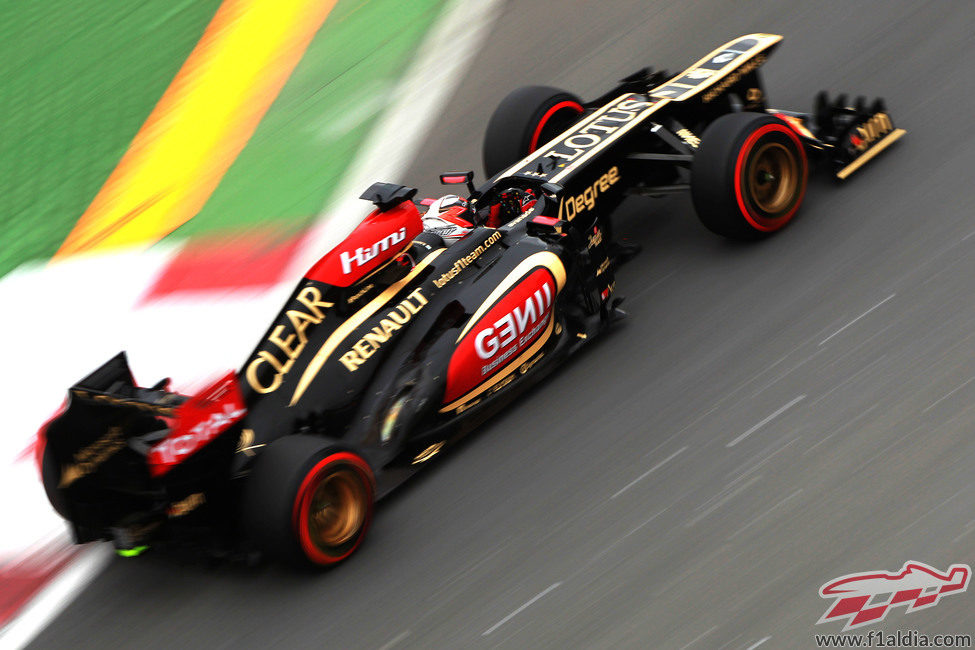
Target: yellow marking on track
x,y
201,123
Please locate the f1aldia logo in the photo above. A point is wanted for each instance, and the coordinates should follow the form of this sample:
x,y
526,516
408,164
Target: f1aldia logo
x,y
865,598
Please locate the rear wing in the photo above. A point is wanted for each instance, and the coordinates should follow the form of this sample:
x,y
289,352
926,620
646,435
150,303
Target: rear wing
x,y
115,443
112,384
107,424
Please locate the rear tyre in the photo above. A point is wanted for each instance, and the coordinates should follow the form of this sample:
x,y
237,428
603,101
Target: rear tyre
x,y
308,502
525,120
749,176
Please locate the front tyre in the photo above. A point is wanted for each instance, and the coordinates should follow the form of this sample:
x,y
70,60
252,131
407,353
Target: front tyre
x,y
308,502
525,120
749,176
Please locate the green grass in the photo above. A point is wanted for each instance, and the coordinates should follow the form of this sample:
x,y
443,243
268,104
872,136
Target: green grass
x,y
77,82
303,145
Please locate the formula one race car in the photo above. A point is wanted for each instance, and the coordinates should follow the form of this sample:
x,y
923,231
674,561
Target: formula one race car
x,y
395,344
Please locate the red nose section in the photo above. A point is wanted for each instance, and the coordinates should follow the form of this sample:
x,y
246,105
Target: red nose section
x,y
199,420
379,238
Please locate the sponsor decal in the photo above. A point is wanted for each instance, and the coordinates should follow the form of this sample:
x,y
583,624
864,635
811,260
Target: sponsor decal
x,y
586,200
381,237
595,239
593,133
734,78
545,259
866,598
366,289
342,331
374,339
870,131
90,458
444,231
201,419
187,505
688,136
155,409
514,222
468,405
586,138
709,70
246,444
504,333
428,453
494,342
528,365
463,262
501,384
173,449
286,342
671,91
602,267
363,256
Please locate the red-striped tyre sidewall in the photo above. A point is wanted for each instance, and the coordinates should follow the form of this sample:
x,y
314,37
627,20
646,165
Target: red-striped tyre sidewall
x,y
752,216
303,498
525,120
574,106
730,186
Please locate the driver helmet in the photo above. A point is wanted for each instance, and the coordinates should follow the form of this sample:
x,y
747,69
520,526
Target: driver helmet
x,y
451,206
450,216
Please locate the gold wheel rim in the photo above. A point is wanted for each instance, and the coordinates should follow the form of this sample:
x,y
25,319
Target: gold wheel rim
x,y
773,179
337,510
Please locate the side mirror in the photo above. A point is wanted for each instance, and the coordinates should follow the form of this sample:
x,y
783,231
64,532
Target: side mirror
x,y
458,178
386,196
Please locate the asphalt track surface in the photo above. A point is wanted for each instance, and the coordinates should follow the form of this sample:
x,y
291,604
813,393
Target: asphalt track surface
x,y
610,508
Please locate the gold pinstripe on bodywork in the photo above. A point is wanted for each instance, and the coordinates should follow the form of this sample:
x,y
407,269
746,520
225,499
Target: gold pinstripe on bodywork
x,y
545,259
522,358
342,331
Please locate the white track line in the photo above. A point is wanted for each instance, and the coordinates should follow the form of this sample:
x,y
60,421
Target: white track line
x,y
53,598
948,395
650,471
858,318
392,642
765,514
621,539
698,637
725,499
766,421
520,609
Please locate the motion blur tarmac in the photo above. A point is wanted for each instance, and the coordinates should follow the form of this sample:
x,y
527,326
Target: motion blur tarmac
x,y
771,416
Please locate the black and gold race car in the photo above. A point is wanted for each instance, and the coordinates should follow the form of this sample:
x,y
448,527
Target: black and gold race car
x,y
396,344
